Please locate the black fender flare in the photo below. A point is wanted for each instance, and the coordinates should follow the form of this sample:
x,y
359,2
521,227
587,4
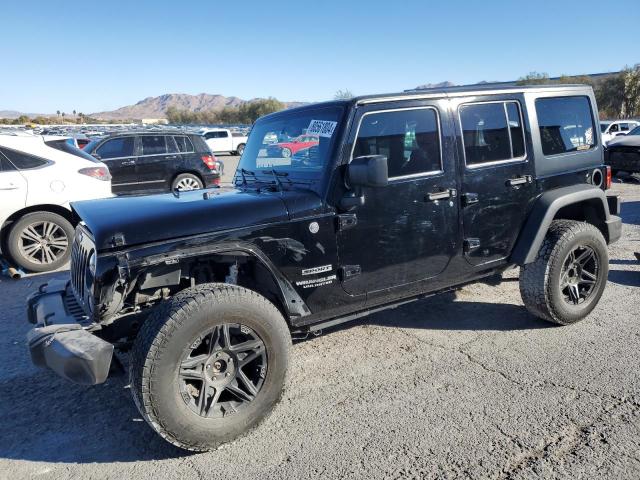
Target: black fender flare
x,y
544,211
293,304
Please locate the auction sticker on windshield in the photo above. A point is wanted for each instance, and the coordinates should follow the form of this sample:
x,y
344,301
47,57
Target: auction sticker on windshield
x,y
322,128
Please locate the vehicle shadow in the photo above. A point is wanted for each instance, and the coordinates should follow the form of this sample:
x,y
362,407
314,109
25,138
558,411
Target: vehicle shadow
x,y
46,420
630,213
629,278
443,313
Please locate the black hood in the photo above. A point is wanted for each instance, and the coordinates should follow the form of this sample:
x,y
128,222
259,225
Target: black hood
x,y
152,218
624,141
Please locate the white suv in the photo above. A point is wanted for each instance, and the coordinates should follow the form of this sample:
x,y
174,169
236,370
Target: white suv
x,y
39,176
610,130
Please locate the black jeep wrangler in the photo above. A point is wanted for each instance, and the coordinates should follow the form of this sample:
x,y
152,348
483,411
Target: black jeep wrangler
x,y
394,198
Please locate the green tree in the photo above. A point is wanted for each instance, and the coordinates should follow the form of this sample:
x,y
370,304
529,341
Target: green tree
x,y
343,95
534,78
631,79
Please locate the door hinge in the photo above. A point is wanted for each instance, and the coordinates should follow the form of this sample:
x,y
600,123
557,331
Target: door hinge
x,y
471,244
346,221
349,271
469,198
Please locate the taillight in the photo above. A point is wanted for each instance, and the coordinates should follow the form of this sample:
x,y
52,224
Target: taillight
x,y
216,181
209,161
607,178
100,173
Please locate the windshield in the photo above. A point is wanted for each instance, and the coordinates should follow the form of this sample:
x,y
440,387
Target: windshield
x,y
295,143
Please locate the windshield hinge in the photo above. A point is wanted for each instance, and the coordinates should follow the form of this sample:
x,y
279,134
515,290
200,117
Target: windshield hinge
x,y
349,271
346,221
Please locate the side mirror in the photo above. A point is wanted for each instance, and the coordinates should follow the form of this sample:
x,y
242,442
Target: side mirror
x,y
368,171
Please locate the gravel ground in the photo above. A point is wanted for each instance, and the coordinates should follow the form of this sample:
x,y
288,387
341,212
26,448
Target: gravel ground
x,y
459,386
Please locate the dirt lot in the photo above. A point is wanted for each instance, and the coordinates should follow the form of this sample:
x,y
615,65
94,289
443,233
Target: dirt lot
x,y
461,386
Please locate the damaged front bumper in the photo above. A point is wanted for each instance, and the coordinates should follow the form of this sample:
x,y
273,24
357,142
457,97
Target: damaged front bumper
x,y
62,340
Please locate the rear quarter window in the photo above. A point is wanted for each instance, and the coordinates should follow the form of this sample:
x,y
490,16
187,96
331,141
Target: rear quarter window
x,y
24,161
184,144
566,124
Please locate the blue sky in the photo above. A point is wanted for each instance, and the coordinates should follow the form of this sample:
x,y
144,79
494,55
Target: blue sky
x,y
92,56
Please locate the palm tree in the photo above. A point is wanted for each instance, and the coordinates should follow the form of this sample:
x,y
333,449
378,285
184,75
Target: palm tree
x,y
58,113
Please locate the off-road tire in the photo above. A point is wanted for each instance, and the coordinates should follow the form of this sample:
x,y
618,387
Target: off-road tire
x,y
165,334
13,241
540,280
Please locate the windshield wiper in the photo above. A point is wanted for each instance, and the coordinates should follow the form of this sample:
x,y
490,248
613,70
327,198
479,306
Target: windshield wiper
x,y
244,172
276,177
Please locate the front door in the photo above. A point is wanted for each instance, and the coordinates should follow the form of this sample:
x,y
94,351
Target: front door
x,y
13,189
497,184
218,141
118,154
406,231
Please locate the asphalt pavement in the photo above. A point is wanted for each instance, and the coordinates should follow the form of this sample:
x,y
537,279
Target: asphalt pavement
x,y
465,385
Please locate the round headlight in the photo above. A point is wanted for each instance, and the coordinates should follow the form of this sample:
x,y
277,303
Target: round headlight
x,y
92,264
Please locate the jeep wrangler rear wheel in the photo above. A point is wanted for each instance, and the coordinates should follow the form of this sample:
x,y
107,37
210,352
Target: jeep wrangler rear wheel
x,y
209,365
566,280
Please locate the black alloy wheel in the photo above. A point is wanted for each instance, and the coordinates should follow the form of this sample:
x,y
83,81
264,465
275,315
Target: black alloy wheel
x,y
223,370
579,274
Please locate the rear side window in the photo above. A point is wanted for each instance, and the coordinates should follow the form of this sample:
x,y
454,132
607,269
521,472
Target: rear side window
x,y
566,124
184,144
153,145
410,139
24,161
116,148
5,165
492,132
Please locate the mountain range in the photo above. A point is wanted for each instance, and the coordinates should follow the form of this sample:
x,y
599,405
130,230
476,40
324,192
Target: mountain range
x,y
156,107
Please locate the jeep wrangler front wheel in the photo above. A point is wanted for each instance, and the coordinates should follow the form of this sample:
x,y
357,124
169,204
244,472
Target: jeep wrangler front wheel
x,y
566,280
209,365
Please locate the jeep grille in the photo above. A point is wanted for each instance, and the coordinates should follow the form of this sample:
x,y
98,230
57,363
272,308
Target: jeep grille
x,y
81,252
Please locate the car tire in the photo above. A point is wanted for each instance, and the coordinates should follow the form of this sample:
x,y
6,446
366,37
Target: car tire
x,y
566,280
24,245
186,182
286,152
240,149
177,409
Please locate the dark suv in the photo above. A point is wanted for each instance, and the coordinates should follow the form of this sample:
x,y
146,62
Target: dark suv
x,y
403,196
151,162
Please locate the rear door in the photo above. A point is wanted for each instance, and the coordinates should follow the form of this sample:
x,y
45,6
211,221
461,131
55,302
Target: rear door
x,y
13,188
407,231
497,176
119,155
155,164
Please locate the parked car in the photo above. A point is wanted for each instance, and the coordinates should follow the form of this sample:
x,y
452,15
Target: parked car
x,y
222,140
82,142
39,177
623,153
405,195
147,162
286,149
612,129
